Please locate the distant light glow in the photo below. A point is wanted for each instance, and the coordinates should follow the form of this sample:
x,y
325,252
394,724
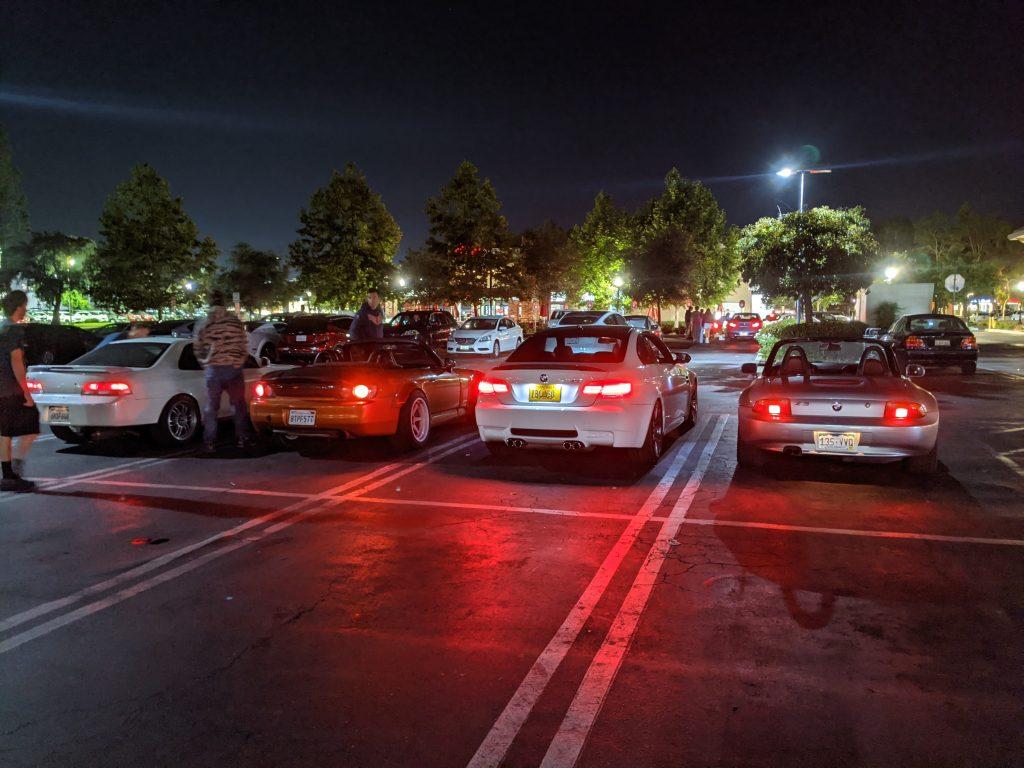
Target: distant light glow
x,y
891,272
617,281
785,173
1020,285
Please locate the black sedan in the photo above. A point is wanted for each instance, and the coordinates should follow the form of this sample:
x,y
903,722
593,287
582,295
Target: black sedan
x,y
434,327
933,340
56,344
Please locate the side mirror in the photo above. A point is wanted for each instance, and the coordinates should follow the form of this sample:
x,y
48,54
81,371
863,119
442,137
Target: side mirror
x,y
749,368
872,333
449,364
915,371
681,357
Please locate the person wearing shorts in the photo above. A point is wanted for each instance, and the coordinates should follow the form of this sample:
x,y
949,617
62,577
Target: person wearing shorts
x,y
19,418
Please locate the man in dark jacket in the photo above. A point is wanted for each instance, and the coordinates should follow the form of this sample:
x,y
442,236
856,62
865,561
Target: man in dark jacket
x,y
367,324
222,347
19,418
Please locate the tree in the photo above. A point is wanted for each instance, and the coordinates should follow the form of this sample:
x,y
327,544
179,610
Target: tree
x,y
550,263
259,276
663,267
148,247
51,263
822,250
347,240
14,227
604,241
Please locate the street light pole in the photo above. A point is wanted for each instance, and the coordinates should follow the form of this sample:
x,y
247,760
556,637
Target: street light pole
x,y
787,172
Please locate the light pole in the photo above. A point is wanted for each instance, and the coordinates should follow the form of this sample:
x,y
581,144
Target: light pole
x,y
890,273
787,172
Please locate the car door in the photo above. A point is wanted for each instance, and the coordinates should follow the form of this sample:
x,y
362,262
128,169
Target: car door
x,y
677,380
504,334
442,387
189,377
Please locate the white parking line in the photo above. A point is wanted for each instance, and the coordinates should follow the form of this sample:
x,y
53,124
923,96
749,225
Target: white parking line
x,y
498,740
496,508
96,473
123,578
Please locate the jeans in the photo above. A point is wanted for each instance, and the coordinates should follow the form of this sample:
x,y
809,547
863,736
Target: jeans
x,y
219,379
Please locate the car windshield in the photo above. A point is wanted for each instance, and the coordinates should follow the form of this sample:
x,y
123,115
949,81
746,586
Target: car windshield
x,y
391,354
479,324
637,321
580,318
746,317
829,357
130,354
410,319
580,346
936,323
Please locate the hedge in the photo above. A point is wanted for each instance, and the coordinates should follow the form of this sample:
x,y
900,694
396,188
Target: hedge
x,y
789,328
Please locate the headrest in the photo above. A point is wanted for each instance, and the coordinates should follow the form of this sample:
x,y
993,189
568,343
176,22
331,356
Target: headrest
x,y
873,367
793,365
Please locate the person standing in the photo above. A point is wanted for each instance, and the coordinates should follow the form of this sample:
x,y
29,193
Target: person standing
x,y
369,320
19,418
222,347
688,321
709,321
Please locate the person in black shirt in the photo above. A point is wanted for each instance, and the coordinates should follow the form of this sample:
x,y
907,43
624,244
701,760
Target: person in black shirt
x,y
19,419
367,324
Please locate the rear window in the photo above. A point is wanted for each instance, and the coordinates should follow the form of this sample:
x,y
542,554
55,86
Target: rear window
x,y
410,319
637,321
580,318
746,316
584,346
937,324
132,354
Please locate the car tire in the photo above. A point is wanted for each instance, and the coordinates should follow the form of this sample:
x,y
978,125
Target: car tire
x,y
69,435
180,422
928,464
413,423
968,369
691,410
749,457
647,455
497,449
497,350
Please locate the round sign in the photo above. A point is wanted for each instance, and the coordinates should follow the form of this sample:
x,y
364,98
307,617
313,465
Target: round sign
x,y
955,283
742,303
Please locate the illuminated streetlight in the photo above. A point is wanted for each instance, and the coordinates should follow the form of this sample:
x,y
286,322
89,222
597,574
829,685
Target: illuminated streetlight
x,y
617,281
71,262
787,172
189,285
401,282
1020,286
890,273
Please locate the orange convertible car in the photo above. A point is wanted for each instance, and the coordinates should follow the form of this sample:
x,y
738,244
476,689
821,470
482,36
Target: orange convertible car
x,y
397,387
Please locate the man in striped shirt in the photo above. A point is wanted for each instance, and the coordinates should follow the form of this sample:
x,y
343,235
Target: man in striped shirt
x,y
222,346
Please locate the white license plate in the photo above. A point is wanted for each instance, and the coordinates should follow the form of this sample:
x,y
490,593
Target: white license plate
x,y
942,342
837,442
301,418
300,337
58,414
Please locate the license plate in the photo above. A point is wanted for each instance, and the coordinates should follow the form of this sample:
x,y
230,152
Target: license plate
x,y
837,442
300,337
545,393
58,414
301,418
942,342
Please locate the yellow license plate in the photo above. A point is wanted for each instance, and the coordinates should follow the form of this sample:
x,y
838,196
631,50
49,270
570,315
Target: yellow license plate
x,y
545,393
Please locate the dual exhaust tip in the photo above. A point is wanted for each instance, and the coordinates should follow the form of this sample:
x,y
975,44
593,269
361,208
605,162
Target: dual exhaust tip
x,y
569,445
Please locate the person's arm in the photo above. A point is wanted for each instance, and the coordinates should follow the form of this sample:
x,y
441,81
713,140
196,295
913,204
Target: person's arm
x,y
376,316
18,367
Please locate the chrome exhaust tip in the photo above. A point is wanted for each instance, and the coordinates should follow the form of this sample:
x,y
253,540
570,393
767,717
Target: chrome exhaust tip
x,y
515,442
572,445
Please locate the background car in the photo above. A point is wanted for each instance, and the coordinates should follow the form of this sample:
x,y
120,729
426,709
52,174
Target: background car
x,y
644,323
837,397
395,387
581,387
591,317
485,335
742,325
306,336
933,340
46,344
555,316
154,384
433,326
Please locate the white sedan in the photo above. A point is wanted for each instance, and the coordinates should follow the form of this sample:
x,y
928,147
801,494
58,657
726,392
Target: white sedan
x,y
578,388
488,335
154,383
590,317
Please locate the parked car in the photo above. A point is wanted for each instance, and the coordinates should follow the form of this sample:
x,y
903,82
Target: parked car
x,y
644,323
580,387
933,340
306,336
836,397
556,315
591,317
58,344
486,335
153,383
396,387
743,325
433,326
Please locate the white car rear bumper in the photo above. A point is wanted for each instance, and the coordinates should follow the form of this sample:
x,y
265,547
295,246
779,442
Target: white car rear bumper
x,y
93,411
607,425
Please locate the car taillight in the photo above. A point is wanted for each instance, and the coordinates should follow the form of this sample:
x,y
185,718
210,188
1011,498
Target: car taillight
x,y
608,388
35,387
913,342
904,412
106,388
968,343
734,325
493,387
772,409
262,389
363,391
755,324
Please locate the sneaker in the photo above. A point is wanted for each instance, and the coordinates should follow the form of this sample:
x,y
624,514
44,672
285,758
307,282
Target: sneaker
x,y
245,442
18,465
17,484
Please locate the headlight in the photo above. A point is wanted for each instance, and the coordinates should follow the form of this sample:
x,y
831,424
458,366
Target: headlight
x,y
411,333
485,337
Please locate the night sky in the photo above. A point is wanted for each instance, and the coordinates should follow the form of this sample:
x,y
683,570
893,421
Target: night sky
x,y
246,107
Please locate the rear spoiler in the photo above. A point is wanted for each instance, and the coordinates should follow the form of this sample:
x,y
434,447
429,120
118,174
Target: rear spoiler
x,y
547,366
78,369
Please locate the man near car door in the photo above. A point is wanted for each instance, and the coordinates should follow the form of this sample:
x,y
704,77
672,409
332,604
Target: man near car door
x,y
222,347
19,419
367,323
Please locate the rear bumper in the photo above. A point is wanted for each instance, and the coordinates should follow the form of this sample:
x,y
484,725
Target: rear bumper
x,y
95,411
366,419
877,441
612,426
940,357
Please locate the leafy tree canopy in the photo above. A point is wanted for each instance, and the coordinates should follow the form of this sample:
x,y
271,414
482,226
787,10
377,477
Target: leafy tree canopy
x,y
14,227
550,262
604,241
259,276
51,263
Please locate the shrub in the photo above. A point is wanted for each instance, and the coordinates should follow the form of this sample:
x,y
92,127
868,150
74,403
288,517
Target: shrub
x,y
1006,325
886,313
788,328
770,333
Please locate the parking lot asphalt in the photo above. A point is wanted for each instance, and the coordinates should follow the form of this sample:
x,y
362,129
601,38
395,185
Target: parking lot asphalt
x,y
351,606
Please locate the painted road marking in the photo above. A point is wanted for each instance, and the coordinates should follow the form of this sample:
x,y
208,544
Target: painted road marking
x,y
567,745
97,473
496,508
159,562
498,740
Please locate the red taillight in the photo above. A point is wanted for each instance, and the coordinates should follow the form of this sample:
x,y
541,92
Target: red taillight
x,y
493,387
755,324
363,391
772,409
262,389
734,325
968,343
913,342
904,412
107,388
608,388
35,387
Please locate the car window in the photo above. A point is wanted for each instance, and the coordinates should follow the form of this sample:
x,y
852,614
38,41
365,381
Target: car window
x,y
187,361
133,354
662,347
646,351
410,319
580,318
478,324
937,323
570,345
829,357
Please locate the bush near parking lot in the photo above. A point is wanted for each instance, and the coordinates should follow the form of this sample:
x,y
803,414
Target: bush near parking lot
x,y
788,328
771,333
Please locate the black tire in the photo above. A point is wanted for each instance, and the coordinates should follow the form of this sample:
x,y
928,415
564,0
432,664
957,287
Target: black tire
x,y
180,422
691,412
497,350
968,369
69,435
923,465
749,457
413,432
648,454
500,450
